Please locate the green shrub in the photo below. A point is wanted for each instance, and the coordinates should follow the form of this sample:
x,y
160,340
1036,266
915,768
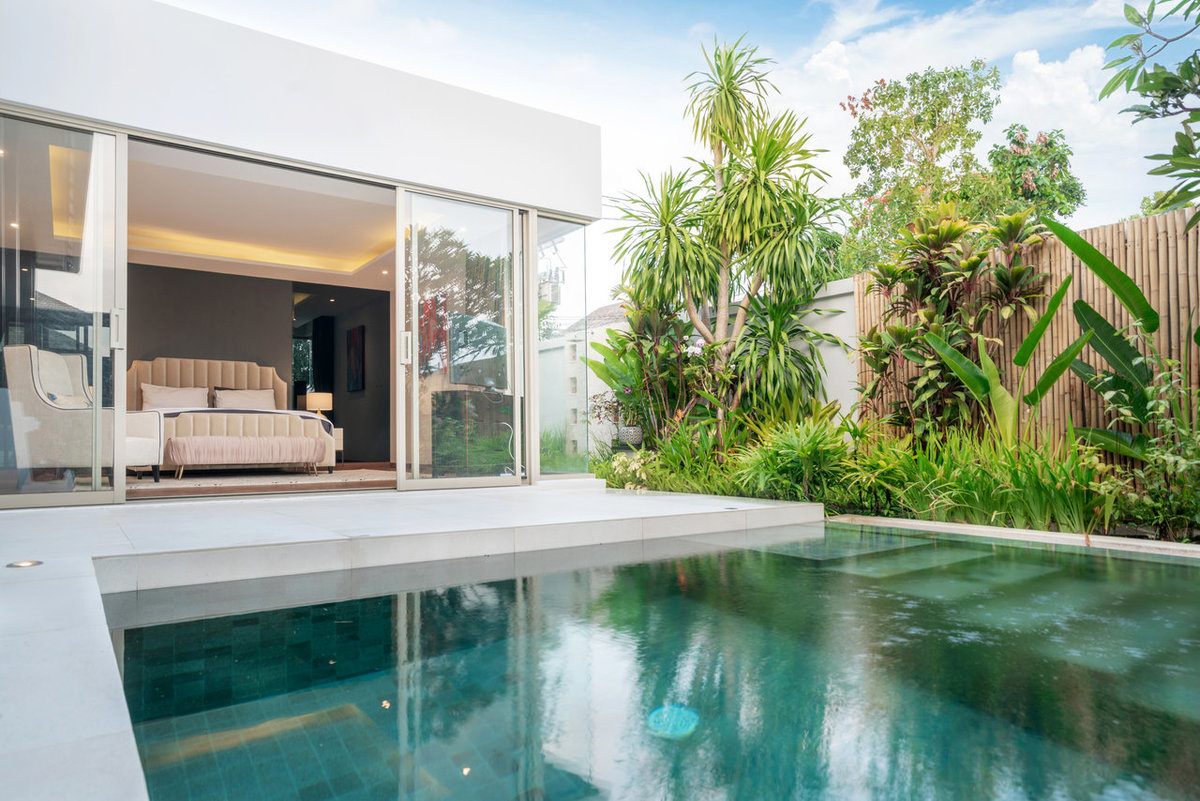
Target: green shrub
x,y
795,461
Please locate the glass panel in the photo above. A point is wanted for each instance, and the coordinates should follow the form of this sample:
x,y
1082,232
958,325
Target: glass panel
x,y
57,268
463,415
562,346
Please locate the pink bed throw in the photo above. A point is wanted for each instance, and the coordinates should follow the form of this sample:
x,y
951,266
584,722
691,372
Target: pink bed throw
x,y
212,451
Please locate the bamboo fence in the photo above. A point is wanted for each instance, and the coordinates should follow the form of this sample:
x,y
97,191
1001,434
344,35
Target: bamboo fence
x,y
1158,253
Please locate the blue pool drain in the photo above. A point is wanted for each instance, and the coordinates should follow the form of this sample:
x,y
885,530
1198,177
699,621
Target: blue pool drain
x,y
672,721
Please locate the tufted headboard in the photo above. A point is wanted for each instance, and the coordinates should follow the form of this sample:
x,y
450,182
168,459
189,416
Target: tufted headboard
x,y
166,371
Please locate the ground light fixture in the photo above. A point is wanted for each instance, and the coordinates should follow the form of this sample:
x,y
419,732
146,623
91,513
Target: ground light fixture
x,y
25,563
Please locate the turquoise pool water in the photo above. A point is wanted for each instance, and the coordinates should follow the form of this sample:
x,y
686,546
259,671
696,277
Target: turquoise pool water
x,y
831,662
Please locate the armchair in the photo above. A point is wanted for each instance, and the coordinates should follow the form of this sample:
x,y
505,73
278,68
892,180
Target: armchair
x,y
52,415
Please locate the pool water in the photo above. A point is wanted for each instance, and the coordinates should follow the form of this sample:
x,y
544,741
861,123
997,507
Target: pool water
x,y
817,662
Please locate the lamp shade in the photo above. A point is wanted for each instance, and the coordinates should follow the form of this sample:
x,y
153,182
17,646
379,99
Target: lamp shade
x,y
318,401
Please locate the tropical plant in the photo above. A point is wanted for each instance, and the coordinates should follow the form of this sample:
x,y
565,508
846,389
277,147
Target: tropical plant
x,y
1166,91
795,461
950,275
778,358
1038,170
741,227
986,384
1152,400
648,370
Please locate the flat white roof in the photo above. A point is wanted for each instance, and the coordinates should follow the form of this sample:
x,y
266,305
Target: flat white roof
x,y
159,69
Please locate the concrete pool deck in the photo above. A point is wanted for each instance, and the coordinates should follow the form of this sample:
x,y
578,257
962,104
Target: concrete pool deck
x,y
65,731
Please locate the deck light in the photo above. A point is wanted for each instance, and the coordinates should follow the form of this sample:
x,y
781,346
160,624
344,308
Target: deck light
x,y
25,563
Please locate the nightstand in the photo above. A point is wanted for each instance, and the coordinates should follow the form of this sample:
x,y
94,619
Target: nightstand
x,y
339,444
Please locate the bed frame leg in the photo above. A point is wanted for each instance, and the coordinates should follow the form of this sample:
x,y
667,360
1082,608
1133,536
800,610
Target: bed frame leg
x,y
154,471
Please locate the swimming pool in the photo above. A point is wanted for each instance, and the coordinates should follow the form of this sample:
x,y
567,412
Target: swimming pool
x,y
813,662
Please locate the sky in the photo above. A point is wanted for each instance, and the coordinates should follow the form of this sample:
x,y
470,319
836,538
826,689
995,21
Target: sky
x,y
623,65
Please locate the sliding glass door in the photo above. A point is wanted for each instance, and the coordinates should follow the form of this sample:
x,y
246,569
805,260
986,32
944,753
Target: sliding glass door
x,y
59,331
460,338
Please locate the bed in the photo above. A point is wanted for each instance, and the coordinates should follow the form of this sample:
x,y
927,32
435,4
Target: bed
x,y
202,437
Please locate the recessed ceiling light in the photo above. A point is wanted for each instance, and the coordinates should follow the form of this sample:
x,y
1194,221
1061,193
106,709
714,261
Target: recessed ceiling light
x,y
466,771
24,563
1,152
385,272
24,269
333,300
14,225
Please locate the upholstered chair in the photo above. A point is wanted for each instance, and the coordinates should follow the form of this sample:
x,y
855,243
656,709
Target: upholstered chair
x,y
52,415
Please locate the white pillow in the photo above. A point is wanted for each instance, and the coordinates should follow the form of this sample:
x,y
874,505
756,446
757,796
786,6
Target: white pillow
x,y
244,399
156,397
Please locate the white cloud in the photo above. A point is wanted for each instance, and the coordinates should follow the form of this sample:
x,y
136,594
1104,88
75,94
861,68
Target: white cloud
x,y
849,18
704,31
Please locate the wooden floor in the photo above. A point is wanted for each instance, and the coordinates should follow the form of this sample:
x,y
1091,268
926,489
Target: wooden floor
x,y
347,475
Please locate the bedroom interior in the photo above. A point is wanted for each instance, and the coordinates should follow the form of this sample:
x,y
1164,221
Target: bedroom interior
x,y
260,325
267,344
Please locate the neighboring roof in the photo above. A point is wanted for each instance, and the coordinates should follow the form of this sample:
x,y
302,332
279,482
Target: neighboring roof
x,y
603,317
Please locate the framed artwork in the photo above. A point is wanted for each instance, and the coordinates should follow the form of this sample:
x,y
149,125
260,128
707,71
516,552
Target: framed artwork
x,y
356,365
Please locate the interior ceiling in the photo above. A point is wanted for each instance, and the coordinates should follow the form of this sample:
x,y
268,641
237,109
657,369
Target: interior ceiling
x,y
200,211
310,301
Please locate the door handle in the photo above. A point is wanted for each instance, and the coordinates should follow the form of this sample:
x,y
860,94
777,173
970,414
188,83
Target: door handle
x,y
116,329
406,347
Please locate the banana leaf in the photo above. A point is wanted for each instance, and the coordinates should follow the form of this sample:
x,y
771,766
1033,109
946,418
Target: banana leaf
x,y
1116,349
1030,343
1056,368
1122,285
1005,410
967,372
1121,443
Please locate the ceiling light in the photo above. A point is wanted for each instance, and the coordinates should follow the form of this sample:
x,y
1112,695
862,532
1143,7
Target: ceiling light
x,y
333,300
24,269
14,225
385,272
24,563
466,771
1,152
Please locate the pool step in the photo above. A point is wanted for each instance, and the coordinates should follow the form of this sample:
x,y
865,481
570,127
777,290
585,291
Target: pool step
x,y
911,560
974,578
838,547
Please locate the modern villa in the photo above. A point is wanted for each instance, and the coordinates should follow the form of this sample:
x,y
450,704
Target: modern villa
x,y
303,494
223,271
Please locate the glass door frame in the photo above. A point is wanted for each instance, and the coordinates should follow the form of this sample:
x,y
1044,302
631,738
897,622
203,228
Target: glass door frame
x,y
113,269
406,345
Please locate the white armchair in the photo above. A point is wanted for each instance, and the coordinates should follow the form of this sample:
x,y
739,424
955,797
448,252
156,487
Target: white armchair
x,y
52,415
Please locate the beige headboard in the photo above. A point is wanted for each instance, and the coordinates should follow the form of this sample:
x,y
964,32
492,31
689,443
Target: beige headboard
x,y
166,371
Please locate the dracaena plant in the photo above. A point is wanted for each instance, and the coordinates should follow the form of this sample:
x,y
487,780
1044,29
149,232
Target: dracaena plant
x,y
740,233
949,276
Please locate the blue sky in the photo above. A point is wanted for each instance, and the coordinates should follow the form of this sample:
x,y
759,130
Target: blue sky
x,y
622,65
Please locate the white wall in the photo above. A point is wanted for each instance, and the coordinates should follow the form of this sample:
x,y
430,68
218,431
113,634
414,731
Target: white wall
x,y
841,369
161,69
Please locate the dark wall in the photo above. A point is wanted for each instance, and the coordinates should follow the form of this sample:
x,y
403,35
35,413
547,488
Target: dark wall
x,y
200,315
365,416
